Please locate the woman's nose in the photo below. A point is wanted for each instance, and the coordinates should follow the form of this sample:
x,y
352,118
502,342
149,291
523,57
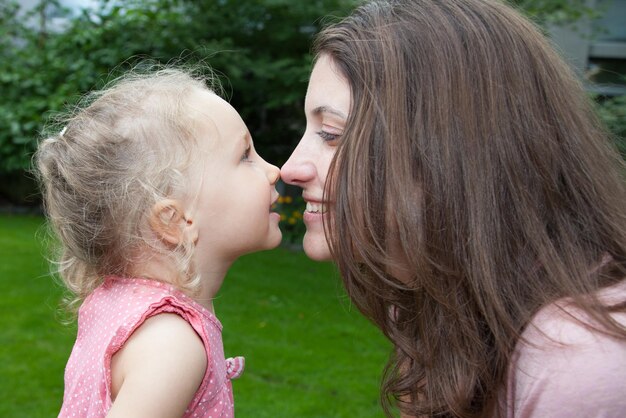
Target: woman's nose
x,y
298,169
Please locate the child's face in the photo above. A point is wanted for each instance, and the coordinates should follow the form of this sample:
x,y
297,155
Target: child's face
x,y
236,191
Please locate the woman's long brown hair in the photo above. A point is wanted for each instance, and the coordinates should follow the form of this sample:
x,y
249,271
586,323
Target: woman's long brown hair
x,y
472,186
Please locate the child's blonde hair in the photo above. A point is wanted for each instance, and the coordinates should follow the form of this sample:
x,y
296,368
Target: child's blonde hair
x,y
122,150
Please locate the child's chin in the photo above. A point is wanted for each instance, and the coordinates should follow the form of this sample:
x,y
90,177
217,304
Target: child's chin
x,y
275,240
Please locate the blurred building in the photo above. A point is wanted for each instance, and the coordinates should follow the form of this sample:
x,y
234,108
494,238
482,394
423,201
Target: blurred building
x,y
596,48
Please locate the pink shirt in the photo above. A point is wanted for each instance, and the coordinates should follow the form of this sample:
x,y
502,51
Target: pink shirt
x,y
570,371
108,317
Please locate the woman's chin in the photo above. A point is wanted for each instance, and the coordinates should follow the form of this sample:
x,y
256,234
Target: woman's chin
x,y
316,247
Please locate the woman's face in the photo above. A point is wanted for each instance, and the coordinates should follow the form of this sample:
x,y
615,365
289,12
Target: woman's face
x,y
326,107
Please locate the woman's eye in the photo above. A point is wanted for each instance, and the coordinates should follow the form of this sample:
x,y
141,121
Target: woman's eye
x,y
327,136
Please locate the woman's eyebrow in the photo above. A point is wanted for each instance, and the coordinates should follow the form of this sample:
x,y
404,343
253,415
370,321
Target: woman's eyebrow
x,y
328,109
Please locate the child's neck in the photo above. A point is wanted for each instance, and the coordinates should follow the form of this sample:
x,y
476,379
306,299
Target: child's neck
x,y
211,283
161,270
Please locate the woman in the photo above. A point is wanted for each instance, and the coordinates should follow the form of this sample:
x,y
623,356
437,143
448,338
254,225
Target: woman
x,y
454,171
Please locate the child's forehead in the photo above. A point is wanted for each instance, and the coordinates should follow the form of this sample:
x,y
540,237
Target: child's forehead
x,y
209,104
212,112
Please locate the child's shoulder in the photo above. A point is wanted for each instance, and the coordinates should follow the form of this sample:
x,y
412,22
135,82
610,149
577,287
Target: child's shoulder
x,y
132,287
169,336
120,305
123,294
165,348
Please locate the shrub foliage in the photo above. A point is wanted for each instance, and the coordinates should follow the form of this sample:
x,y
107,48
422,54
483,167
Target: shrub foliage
x,y
49,56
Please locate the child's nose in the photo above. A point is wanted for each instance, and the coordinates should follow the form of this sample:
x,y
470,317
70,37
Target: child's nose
x,y
273,173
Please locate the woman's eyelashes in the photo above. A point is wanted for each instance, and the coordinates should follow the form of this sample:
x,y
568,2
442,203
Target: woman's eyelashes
x,y
327,136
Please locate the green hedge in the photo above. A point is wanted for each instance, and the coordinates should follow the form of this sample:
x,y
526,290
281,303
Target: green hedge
x,y
260,49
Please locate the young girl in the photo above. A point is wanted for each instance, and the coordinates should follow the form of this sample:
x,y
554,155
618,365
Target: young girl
x,y
154,189
454,171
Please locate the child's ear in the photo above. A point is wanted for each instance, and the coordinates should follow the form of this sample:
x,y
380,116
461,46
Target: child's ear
x,y
168,220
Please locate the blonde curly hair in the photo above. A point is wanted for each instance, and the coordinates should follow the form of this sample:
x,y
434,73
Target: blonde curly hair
x,y
123,149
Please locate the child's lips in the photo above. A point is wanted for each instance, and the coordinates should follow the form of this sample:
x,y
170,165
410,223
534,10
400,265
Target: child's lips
x,y
274,200
275,215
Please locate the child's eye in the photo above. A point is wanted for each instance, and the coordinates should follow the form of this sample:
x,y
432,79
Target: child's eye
x,y
327,136
246,155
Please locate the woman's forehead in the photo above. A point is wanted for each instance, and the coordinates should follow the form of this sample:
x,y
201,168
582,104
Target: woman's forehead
x,y
328,87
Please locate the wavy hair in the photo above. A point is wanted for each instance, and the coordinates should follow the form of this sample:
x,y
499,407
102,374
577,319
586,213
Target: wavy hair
x,y
121,150
472,186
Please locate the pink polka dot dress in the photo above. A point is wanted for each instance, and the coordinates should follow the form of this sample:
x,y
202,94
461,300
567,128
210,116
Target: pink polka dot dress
x,y
106,320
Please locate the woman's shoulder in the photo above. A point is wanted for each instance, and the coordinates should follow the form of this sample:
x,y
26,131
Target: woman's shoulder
x,y
563,323
567,365
563,329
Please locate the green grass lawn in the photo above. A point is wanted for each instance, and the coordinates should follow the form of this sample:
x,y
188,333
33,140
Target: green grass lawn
x,y
308,352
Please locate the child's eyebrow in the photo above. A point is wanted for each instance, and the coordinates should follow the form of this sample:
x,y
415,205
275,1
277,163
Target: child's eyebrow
x,y
246,141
